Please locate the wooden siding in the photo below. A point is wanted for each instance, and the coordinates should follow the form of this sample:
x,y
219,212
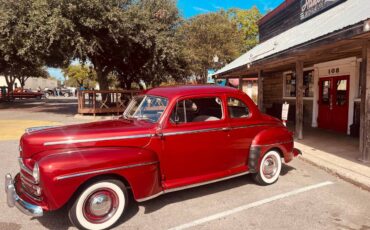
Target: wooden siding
x,y
272,89
273,94
282,21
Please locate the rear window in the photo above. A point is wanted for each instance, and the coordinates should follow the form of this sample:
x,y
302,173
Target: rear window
x,y
237,108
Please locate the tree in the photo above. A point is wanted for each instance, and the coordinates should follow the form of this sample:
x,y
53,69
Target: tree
x,y
206,36
24,38
26,72
154,55
246,22
79,75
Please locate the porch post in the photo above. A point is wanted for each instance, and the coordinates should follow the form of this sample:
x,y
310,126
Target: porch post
x,y
364,107
260,90
299,101
240,84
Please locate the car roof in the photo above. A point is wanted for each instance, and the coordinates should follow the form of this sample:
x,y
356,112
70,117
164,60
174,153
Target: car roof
x,y
187,90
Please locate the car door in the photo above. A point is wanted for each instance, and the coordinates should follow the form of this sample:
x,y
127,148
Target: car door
x,y
243,128
195,141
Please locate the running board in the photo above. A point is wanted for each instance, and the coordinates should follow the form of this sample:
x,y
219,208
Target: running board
x,y
191,186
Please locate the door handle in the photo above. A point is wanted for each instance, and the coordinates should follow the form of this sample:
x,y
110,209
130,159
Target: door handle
x,y
226,129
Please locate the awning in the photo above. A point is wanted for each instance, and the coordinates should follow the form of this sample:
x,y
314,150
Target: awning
x,y
344,15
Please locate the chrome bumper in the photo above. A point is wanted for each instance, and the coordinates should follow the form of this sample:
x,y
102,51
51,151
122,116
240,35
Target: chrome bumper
x,y
14,200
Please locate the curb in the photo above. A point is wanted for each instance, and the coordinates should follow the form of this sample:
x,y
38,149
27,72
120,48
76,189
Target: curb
x,y
354,173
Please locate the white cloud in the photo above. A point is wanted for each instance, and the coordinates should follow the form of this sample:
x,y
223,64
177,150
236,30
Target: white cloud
x,y
200,9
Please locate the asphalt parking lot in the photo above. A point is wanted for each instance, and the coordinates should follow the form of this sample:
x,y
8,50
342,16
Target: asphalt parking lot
x,y
305,197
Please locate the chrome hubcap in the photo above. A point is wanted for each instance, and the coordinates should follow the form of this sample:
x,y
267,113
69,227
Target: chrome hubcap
x,y
270,167
101,205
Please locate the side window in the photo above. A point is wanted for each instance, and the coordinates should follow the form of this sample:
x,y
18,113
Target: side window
x,y
237,108
197,110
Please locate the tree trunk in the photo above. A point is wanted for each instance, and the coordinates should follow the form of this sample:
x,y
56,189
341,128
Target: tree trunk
x,y
22,81
102,78
10,82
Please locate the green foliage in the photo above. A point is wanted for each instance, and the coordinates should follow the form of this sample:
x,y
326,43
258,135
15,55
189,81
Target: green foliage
x,y
131,40
207,35
153,53
79,75
246,21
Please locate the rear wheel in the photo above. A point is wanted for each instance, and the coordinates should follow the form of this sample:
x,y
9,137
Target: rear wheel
x,y
270,168
100,205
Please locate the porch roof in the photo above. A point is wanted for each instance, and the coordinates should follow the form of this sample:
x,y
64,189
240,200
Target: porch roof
x,y
338,18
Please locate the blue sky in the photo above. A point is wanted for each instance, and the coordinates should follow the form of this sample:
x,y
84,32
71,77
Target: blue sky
x,y
190,8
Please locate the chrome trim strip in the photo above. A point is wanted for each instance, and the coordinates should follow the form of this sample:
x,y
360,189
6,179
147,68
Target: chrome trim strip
x,y
104,170
32,197
195,131
14,200
97,139
23,177
191,186
24,167
150,197
251,126
283,142
206,182
37,128
212,130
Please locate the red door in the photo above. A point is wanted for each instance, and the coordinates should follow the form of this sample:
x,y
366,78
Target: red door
x,y
333,103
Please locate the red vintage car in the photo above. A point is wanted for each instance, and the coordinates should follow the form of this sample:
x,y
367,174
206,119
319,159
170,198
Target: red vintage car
x,y
26,93
168,139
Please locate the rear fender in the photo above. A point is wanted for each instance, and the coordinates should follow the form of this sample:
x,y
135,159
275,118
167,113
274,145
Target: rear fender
x,y
64,172
279,138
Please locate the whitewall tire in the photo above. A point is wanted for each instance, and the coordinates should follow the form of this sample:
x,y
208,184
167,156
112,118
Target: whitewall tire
x,y
99,205
269,169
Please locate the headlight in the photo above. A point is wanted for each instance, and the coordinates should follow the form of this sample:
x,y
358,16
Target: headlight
x,y
36,173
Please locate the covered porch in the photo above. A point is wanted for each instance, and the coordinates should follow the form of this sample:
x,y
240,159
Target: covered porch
x,y
339,52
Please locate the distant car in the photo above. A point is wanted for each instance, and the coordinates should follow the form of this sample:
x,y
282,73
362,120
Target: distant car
x,y
168,139
26,93
48,92
66,92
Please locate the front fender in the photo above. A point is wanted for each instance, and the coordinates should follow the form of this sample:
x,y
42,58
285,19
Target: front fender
x,y
63,172
272,138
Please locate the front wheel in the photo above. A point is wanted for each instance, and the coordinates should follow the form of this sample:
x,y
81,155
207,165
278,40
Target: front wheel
x,y
100,205
270,168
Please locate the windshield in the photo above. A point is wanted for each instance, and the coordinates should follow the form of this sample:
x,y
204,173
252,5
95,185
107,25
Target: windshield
x,y
146,108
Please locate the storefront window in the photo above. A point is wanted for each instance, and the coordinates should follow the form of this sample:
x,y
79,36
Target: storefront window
x,y
290,84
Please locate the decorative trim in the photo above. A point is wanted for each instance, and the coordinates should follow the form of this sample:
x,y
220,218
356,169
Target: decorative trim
x,y
191,186
212,130
104,170
278,143
37,128
68,142
196,131
23,167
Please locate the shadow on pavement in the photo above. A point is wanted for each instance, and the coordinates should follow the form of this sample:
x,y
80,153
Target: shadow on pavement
x,y
58,220
55,220
179,196
63,106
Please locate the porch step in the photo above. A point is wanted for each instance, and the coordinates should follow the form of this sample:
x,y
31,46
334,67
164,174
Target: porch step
x,y
351,171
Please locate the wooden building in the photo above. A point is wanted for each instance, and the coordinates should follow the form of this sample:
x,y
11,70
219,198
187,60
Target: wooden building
x,y
313,54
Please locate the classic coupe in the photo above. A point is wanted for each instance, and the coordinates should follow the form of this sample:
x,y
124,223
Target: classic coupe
x,y
168,139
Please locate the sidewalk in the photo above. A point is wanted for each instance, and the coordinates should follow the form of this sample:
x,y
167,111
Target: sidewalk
x,y
335,153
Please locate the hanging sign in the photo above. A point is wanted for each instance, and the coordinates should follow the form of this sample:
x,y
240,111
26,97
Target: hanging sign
x,y
310,8
284,112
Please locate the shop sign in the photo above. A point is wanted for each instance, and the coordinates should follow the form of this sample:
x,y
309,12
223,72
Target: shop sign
x,y
310,8
285,112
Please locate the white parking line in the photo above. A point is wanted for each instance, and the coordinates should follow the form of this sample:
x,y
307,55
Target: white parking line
x,y
251,205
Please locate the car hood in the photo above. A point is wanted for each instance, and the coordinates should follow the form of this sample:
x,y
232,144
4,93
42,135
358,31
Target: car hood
x,y
95,134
